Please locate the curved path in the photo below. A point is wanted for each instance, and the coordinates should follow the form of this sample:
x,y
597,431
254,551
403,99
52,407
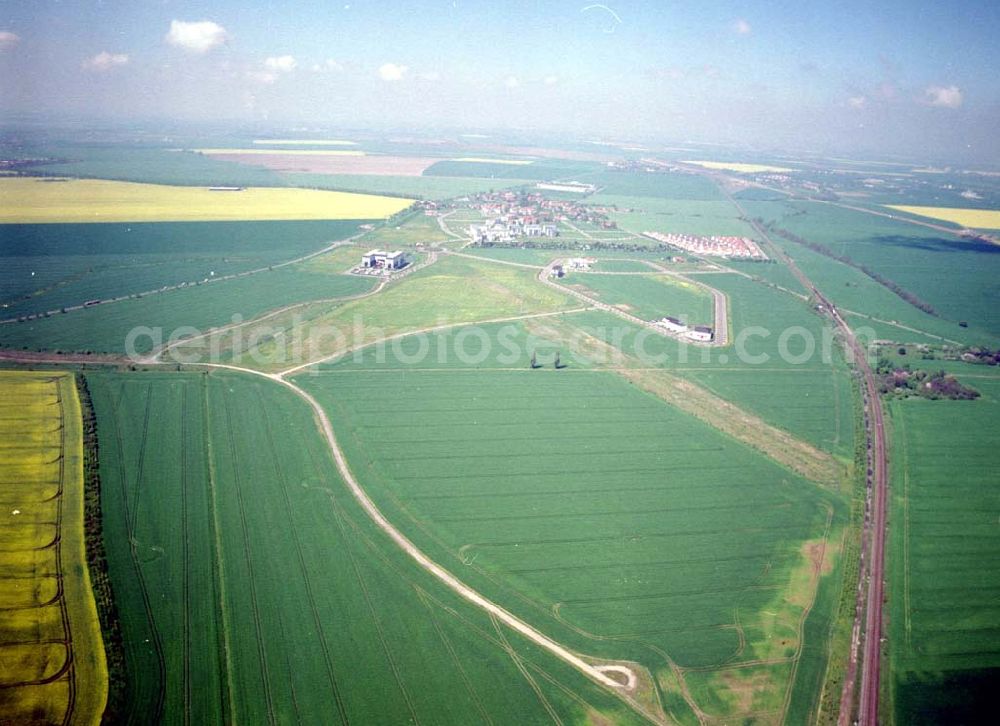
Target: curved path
x,y
721,321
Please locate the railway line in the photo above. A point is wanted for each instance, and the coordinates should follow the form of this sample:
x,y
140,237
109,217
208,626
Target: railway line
x,y
866,643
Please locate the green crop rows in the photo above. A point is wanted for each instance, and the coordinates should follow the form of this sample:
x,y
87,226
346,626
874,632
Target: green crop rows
x,y
253,590
649,297
618,524
944,646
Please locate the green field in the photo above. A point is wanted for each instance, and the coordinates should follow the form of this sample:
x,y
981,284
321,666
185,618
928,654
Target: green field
x,y
663,186
957,277
683,216
132,162
610,260
617,524
451,291
806,390
537,170
106,327
253,589
612,265
414,187
943,645
649,297
45,267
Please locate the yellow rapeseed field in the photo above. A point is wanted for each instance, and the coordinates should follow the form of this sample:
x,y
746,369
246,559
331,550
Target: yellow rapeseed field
x,y
29,200
44,629
282,152
972,218
481,160
735,166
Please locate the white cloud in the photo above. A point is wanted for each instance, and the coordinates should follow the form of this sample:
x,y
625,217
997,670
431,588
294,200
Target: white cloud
x,y
280,63
511,82
198,37
392,72
105,61
8,40
943,96
742,27
551,80
431,76
858,102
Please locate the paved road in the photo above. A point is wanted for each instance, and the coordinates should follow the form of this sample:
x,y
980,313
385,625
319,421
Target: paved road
x,y
721,322
719,298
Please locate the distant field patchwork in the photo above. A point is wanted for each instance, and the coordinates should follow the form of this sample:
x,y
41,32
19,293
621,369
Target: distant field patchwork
x,y
325,161
30,200
52,665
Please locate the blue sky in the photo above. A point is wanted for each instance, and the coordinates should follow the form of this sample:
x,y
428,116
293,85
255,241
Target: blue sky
x,y
917,78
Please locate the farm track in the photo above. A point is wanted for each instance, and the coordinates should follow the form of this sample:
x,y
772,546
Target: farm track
x,y
157,355
489,635
222,630
449,580
456,661
383,641
722,335
63,611
157,712
186,563
248,555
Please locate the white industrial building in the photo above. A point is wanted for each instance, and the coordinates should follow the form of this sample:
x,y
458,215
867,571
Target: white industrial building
x,y
700,333
380,259
672,324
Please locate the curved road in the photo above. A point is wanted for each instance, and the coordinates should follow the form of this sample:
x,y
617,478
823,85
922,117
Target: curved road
x,y
721,337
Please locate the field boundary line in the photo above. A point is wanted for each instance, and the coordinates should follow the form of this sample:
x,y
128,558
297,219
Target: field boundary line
x,y
719,340
218,564
394,667
134,557
184,285
443,575
186,558
900,424
469,688
248,553
281,375
317,620
515,656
